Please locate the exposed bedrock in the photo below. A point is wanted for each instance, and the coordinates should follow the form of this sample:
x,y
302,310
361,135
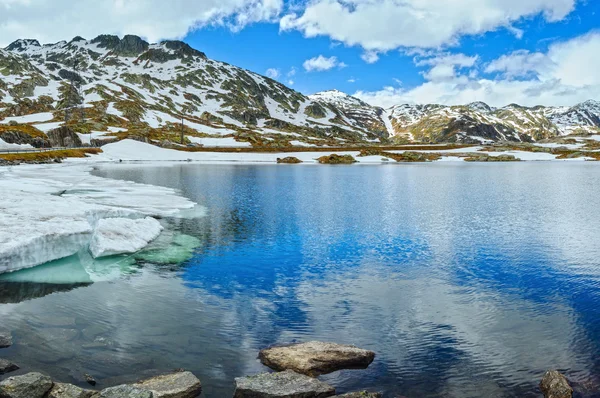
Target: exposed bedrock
x,y
316,358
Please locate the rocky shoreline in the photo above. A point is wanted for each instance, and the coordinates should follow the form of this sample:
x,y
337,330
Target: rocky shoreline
x,y
296,371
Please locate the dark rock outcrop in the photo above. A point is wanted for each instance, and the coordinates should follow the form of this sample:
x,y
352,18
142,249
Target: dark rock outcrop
x,y
316,358
30,385
7,366
555,385
131,46
173,385
288,384
71,76
64,137
18,137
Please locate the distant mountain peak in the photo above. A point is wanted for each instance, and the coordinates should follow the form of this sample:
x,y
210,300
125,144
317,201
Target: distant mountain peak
x,y
480,106
22,45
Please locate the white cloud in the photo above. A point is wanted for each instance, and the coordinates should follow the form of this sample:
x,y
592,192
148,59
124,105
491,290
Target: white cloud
x,y
290,82
352,80
518,64
292,72
445,66
380,25
273,73
321,63
54,20
370,57
565,75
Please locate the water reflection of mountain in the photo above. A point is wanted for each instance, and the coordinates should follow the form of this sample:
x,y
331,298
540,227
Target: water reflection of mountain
x,y
17,292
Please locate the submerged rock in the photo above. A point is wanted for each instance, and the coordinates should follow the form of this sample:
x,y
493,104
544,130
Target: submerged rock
x,y
174,385
61,390
288,384
30,385
125,391
555,385
5,338
361,394
7,366
89,379
316,358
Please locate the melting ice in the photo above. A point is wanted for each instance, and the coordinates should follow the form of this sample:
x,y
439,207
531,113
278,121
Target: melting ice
x,y
53,212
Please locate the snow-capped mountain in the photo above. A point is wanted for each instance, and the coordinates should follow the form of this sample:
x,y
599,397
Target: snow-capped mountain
x,y
478,122
115,87
130,87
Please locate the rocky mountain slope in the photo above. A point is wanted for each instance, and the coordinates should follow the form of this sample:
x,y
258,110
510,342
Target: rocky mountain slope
x,y
111,88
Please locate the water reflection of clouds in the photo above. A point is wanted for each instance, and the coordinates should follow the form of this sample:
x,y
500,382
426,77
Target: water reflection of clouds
x,y
467,280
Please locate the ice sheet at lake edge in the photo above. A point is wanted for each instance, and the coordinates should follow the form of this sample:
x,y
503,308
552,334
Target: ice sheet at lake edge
x,y
52,211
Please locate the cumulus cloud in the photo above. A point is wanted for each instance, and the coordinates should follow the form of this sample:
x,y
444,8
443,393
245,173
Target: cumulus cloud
x,y
370,57
321,63
273,73
565,75
54,20
380,25
445,66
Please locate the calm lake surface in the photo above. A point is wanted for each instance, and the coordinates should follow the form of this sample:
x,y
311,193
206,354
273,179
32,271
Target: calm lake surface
x,y
467,280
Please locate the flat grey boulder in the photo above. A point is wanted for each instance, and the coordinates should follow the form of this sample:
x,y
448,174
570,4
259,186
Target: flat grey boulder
x,y
361,394
288,384
61,390
316,358
30,385
173,385
7,366
555,385
125,391
5,338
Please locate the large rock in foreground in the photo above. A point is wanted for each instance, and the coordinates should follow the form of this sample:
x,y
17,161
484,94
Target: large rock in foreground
x,y
7,366
555,385
123,236
316,358
5,338
61,390
30,385
125,391
288,384
174,385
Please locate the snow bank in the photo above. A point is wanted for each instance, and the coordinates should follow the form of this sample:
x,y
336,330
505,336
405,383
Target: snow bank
x,y
219,142
5,145
36,117
123,236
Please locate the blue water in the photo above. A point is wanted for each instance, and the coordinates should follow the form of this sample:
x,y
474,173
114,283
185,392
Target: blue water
x,y
467,280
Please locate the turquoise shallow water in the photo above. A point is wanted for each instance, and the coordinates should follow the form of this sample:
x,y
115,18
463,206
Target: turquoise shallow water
x,y
468,280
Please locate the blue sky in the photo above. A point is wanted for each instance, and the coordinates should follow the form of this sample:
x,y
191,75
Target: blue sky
x,y
385,52
263,46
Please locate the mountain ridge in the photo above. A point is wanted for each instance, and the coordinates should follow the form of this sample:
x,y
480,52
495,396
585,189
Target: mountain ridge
x,y
127,87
